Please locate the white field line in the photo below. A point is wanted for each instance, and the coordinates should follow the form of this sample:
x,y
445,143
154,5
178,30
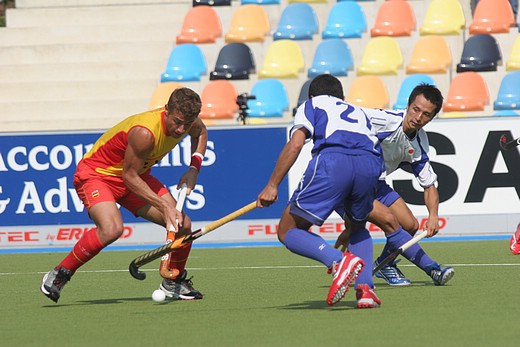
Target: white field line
x,y
243,268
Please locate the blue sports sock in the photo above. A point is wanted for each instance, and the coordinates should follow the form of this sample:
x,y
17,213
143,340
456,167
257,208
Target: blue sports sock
x,y
310,245
361,245
415,253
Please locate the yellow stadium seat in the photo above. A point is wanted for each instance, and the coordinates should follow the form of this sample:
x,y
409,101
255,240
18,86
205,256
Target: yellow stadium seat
x,y
382,56
249,23
162,93
369,91
443,17
513,63
457,114
283,59
430,55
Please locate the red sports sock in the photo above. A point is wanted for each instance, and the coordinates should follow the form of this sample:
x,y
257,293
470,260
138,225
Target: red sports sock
x,y
179,257
85,249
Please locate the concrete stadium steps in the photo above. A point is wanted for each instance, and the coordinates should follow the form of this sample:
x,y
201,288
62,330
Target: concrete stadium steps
x,y
79,3
85,53
75,90
163,32
96,15
68,114
94,71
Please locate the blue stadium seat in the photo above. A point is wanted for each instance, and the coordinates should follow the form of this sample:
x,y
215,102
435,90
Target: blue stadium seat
x,y
508,97
481,53
271,99
297,22
408,84
345,20
235,61
332,56
186,63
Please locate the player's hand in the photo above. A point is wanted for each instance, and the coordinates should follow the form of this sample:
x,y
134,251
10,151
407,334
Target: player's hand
x,y
432,226
190,179
267,197
173,219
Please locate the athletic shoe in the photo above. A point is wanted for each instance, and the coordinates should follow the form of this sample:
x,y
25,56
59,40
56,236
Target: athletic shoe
x,y
344,274
54,281
514,244
366,297
441,275
180,288
392,275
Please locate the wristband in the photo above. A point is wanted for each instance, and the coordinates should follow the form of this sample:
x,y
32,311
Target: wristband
x,y
196,161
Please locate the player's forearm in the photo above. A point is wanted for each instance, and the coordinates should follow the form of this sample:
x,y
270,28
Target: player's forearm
x,y
139,187
285,161
431,200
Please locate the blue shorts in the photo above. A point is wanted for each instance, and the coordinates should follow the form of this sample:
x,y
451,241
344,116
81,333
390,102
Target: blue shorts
x,y
385,194
337,181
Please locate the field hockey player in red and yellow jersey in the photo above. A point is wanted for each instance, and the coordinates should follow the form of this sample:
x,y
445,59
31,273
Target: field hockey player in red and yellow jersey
x,y
117,171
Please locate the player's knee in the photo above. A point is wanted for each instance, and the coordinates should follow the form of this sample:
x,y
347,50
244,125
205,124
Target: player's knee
x,y
411,226
110,232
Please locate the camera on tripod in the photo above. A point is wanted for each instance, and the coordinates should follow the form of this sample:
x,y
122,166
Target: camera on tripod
x,y
242,104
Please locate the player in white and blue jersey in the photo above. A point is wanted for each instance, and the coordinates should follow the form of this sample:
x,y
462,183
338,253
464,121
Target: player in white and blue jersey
x,y
404,142
341,176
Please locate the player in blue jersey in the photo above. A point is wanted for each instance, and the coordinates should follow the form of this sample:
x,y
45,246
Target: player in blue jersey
x,y
404,142
341,176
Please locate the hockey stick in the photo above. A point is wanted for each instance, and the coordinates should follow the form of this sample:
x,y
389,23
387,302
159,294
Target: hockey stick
x,y
505,145
164,268
159,252
400,250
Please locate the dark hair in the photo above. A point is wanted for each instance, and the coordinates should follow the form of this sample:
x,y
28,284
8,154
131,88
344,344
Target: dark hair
x,y
431,93
326,85
185,101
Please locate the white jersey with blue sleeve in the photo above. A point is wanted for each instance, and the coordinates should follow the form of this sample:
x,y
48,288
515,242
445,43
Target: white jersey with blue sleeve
x,y
343,126
399,149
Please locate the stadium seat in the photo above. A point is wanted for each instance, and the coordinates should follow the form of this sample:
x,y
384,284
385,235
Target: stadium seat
x,y
382,56
249,23
211,2
304,94
201,25
505,113
481,53
513,63
394,18
332,56
235,61
271,99
297,22
219,100
443,17
468,92
430,55
408,84
455,114
162,93
283,59
260,2
186,63
376,98
508,97
492,17
345,20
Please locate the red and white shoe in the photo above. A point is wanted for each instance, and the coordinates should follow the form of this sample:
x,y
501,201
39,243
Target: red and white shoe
x,y
514,244
344,274
366,297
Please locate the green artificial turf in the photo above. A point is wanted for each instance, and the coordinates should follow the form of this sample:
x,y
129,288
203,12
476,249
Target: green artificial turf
x,y
262,297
